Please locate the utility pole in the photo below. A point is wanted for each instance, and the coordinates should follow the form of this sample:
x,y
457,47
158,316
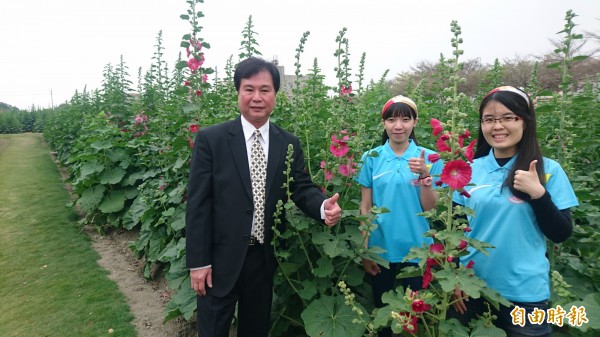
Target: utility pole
x,y
51,99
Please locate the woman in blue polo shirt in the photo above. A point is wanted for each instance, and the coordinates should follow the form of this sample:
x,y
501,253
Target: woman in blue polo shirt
x,y
397,176
520,198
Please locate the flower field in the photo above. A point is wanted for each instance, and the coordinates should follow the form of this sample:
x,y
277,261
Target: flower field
x,y
128,159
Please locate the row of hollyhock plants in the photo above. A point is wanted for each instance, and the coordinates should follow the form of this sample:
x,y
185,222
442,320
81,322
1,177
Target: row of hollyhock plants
x,y
128,160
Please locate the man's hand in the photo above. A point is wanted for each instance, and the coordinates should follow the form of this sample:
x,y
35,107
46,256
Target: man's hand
x,y
200,278
371,267
333,212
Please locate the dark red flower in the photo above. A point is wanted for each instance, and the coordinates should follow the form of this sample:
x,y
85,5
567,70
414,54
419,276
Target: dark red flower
x,y
467,229
194,128
427,277
456,174
469,151
470,264
419,306
436,125
462,245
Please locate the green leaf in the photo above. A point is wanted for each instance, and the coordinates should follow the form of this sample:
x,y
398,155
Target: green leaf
x,y
184,17
181,65
178,222
324,267
592,311
308,291
90,168
481,330
580,58
553,65
91,198
330,317
112,176
114,202
452,327
102,144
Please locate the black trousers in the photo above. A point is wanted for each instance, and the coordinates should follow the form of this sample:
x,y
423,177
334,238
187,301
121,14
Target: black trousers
x,y
253,294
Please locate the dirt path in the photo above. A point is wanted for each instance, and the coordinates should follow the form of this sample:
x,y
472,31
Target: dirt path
x,y
146,299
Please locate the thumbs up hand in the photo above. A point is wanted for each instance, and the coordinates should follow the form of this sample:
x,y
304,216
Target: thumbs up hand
x,y
529,182
418,165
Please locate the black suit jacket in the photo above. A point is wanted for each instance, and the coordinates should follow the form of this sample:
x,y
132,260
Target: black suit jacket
x,y
220,208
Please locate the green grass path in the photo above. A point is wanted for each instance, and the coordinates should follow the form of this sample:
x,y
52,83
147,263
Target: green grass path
x,y
50,282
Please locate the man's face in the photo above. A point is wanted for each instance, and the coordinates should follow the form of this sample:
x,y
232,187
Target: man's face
x,y
256,98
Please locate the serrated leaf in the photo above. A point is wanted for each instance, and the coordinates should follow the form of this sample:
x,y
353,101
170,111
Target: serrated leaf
x,y
330,317
308,290
324,267
181,65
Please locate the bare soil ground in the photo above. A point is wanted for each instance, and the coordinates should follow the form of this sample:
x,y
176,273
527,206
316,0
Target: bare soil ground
x,y
147,299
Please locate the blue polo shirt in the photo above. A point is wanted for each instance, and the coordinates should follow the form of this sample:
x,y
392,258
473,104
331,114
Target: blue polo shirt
x,y
390,179
517,267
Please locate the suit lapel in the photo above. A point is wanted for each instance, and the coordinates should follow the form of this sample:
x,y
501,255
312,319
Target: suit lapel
x,y
277,154
237,145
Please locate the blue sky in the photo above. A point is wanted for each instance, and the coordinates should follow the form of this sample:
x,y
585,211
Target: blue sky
x,y
63,45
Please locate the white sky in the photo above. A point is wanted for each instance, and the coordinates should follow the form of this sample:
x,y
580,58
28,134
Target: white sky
x,y
64,45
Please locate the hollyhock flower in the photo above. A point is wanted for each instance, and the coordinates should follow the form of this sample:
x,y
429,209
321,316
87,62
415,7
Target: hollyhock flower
x,y
194,128
431,262
204,78
191,142
467,229
469,151
419,306
346,170
193,64
436,247
462,245
186,83
456,174
427,277
439,183
198,93
328,175
434,157
323,164
465,194
441,145
338,147
450,258
346,90
340,141
436,125
470,264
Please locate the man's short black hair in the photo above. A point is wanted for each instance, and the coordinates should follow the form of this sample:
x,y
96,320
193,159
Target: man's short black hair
x,y
252,66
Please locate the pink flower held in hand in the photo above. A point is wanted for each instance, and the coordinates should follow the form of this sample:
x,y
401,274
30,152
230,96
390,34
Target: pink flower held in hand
x,y
194,128
456,174
437,126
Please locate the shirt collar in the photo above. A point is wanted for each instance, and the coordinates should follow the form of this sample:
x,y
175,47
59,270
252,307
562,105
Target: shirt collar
x,y
410,151
492,165
249,130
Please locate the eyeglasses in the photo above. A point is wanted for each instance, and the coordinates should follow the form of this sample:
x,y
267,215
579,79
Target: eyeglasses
x,y
503,120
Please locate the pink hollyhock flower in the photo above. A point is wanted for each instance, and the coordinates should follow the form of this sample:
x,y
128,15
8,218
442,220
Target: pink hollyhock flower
x,y
186,83
467,229
346,90
188,52
419,306
346,170
434,157
328,175
194,128
450,258
462,245
323,164
469,151
198,93
204,78
139,119
338,147
465,194
193,64
470,264
441,144
431,262
340,141
456,174
436,125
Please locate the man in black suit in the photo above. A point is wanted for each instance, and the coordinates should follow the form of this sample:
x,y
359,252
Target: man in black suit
x,y
228,221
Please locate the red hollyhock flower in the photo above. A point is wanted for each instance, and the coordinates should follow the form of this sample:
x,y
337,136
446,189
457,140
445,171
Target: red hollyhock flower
x,y
419,306
434,157
441,144
427,277
193,64
436,125
469,151
186,83
467,229
470,264
462,245
436,247
456,174
198,93
465,194
194,128
191,142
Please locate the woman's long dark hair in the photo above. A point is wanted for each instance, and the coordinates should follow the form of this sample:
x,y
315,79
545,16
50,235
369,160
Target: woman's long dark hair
x,y
399,110
528,149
